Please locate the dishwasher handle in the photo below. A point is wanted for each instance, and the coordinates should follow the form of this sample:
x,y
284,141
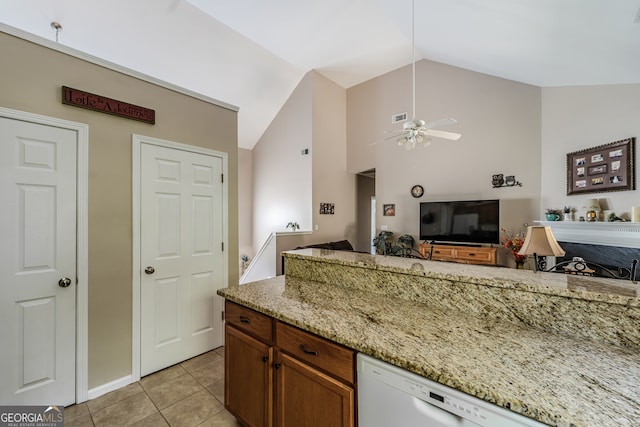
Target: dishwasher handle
x,y
435,413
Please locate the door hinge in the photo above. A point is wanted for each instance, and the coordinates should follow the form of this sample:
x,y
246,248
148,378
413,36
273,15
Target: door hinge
x,y
222,244
222,313
222,178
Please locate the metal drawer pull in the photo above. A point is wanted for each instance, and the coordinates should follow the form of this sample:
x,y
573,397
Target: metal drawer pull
x,y
472,254
311,352
265,359
244,319
277,365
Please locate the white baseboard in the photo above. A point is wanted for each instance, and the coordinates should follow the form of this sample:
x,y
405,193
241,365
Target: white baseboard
x,y
110,386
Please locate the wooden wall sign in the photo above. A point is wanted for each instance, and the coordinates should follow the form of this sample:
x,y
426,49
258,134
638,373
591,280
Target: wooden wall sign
x,y
90,101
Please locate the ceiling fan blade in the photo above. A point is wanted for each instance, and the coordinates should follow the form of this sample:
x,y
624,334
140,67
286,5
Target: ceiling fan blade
x,y
441,122
397,135
442,134
383,140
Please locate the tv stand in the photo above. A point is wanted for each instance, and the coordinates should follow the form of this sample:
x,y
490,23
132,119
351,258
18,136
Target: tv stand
x,y
459,253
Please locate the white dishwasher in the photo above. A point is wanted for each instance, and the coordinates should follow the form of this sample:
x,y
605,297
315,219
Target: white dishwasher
x,y
392,397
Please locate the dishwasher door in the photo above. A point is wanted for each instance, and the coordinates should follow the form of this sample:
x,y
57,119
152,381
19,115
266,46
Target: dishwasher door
x,y
382,405
390,397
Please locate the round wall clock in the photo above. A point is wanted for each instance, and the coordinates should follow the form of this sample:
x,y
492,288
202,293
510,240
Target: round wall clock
x,y
417,191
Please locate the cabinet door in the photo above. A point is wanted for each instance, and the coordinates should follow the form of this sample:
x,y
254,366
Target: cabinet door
x,y
308,398
248,390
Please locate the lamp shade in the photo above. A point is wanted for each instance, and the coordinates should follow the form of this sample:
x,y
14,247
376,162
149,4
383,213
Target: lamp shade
x,y
540,241
592,204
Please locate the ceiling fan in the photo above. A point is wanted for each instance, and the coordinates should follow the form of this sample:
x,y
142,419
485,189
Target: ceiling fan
x,y
418,132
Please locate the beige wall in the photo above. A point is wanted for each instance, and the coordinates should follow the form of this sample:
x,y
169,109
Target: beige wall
x,y
32,77
288,186
332,183
245,202
500,124
580,117
282,187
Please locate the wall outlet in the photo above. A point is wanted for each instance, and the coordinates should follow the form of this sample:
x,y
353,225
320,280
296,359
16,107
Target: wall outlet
x,y
384,227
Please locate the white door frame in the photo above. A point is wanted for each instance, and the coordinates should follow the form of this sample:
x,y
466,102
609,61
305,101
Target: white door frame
x,y
82,242
137,141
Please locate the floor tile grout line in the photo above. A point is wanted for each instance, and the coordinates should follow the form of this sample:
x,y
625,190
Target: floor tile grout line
x,y
145,391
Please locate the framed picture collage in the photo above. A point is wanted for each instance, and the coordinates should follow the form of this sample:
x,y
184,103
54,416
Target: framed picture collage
x,y
603,168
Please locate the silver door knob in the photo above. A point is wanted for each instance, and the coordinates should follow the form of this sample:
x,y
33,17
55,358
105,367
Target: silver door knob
x,y
149,270
64,282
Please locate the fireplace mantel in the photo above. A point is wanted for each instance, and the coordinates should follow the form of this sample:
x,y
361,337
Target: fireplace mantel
x,y
621,234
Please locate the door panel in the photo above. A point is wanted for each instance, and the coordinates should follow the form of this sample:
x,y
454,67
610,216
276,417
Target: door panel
x,y
38,229
167,308
181,238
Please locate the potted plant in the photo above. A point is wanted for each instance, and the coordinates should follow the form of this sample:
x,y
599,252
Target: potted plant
x,y
293,226
403,246
382,242
566,213
513,244
552,215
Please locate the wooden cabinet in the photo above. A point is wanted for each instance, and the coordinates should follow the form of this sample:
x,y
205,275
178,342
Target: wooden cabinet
x,y
462,254
249,396
315,380
276,374
248,361
306,397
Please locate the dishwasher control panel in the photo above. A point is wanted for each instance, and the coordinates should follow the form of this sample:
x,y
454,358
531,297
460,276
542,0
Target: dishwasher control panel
x,y
391,383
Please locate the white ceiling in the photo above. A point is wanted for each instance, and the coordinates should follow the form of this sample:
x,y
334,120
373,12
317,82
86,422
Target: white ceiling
x,y
253,53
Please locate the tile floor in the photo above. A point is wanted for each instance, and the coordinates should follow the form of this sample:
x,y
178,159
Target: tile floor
x,y
188,394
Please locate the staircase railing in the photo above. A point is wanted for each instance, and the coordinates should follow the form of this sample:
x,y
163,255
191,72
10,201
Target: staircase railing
x,y
263,265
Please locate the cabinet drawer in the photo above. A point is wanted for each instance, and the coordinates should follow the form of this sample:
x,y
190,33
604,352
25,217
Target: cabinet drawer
x,y
440,252
317,351
474,255
250,321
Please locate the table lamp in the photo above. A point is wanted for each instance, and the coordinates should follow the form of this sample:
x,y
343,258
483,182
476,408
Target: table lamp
x,y
540,242
593,207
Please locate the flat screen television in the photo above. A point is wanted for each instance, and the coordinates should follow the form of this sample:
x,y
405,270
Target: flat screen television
x,y
468,221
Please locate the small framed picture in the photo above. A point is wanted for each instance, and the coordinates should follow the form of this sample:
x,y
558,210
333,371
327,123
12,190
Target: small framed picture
x,y
598,170
327,208
608,167
389,210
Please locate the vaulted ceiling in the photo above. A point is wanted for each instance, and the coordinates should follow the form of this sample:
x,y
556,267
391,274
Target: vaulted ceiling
x,y
252,53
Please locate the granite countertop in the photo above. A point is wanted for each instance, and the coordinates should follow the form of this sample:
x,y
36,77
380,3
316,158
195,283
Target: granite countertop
x,y
584,287
556,379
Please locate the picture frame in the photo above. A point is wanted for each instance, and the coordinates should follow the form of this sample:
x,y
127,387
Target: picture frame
x,y
327,208
389,210
608,167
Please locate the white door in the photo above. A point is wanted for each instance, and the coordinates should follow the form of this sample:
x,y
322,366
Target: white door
x,y
37,263
181,241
